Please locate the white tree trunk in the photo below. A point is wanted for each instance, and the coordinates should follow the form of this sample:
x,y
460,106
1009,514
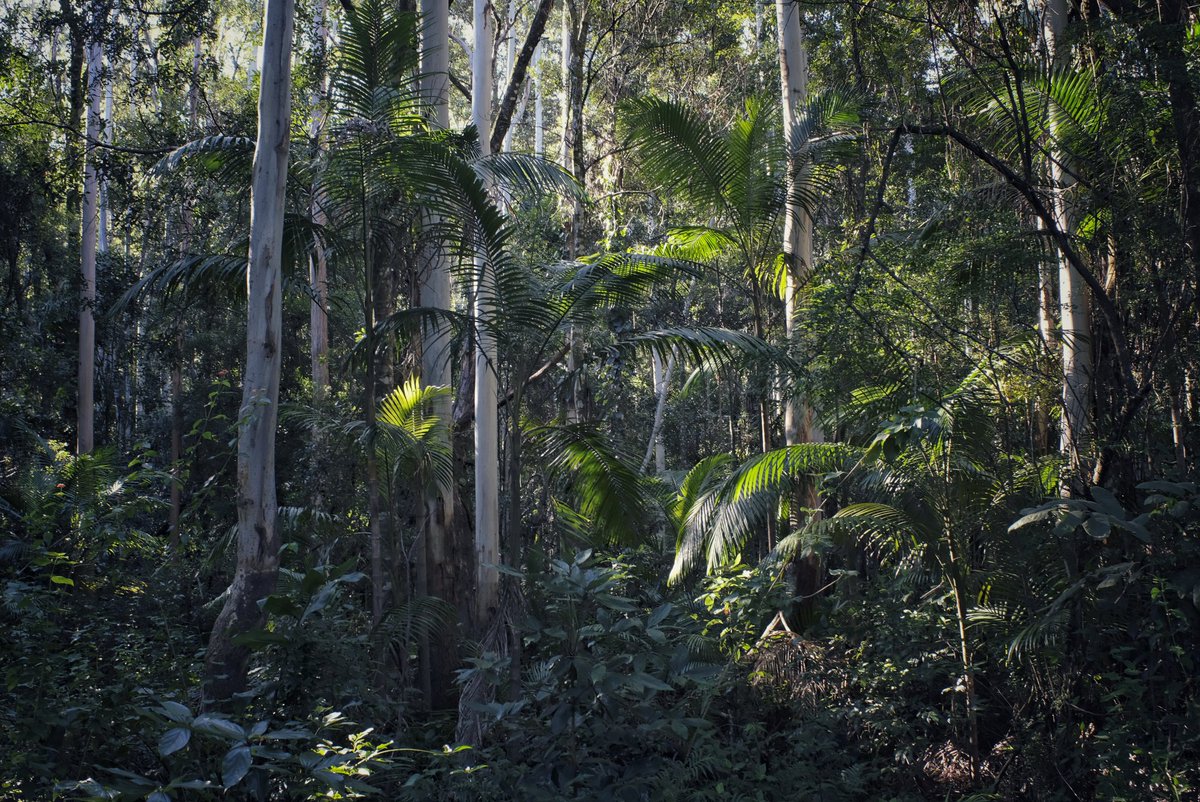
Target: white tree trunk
x,y
799,421
439,577
662,383
564,154
1073,300
539,124
87,321
487,460
797,222
257,533
102,243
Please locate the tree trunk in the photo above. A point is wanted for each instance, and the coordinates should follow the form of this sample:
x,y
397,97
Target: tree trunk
x,y
257,533
797,223
1169,43
662,383
77,99
580,22
441,573
1047,340
1074,305
518,68
102,242
487,465
567,37
539,119
798,418
87,320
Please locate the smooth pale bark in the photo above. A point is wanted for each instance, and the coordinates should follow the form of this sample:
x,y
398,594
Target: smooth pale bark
x,y
539,119
662,384
799,425
1073,299
318,272
441,574
487,459
662,381
257,533
797,223
566,38
574,38
152,67
102,241
87,321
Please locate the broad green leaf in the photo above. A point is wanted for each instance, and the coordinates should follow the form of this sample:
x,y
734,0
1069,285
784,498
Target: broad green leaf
x,y
235,765
176,712
209,724
173,740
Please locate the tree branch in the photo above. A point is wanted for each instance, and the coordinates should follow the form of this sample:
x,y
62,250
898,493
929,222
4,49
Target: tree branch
x,y
513,91
1112,317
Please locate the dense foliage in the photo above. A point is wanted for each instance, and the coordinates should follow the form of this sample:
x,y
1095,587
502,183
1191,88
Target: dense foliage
x,y
891,518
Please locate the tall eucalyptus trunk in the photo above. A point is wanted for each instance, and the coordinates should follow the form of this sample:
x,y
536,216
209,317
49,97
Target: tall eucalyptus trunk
x,y
91,191
539,118
258,539
106,126
661,381
574,38
487,464
799,424
1073,299
566,38
442,574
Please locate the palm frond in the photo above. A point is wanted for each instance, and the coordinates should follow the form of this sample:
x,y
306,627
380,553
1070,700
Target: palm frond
x,y
679,149
374,64
223,158
523,175
706,346
604,483
413,439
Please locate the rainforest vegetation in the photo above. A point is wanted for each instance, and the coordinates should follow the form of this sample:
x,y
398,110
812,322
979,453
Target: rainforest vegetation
x,y
599,400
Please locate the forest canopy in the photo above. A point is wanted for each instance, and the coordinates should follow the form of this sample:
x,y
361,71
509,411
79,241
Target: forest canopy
x,y
599,400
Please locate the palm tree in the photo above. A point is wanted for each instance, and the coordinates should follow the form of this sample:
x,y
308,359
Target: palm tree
x,y
938,496
748,181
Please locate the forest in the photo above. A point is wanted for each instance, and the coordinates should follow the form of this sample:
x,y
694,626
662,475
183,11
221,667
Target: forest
x,y
600,400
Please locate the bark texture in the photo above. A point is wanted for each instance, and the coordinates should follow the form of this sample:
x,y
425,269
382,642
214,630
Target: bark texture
x,y
1073,300
487,464
257,531
91,192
